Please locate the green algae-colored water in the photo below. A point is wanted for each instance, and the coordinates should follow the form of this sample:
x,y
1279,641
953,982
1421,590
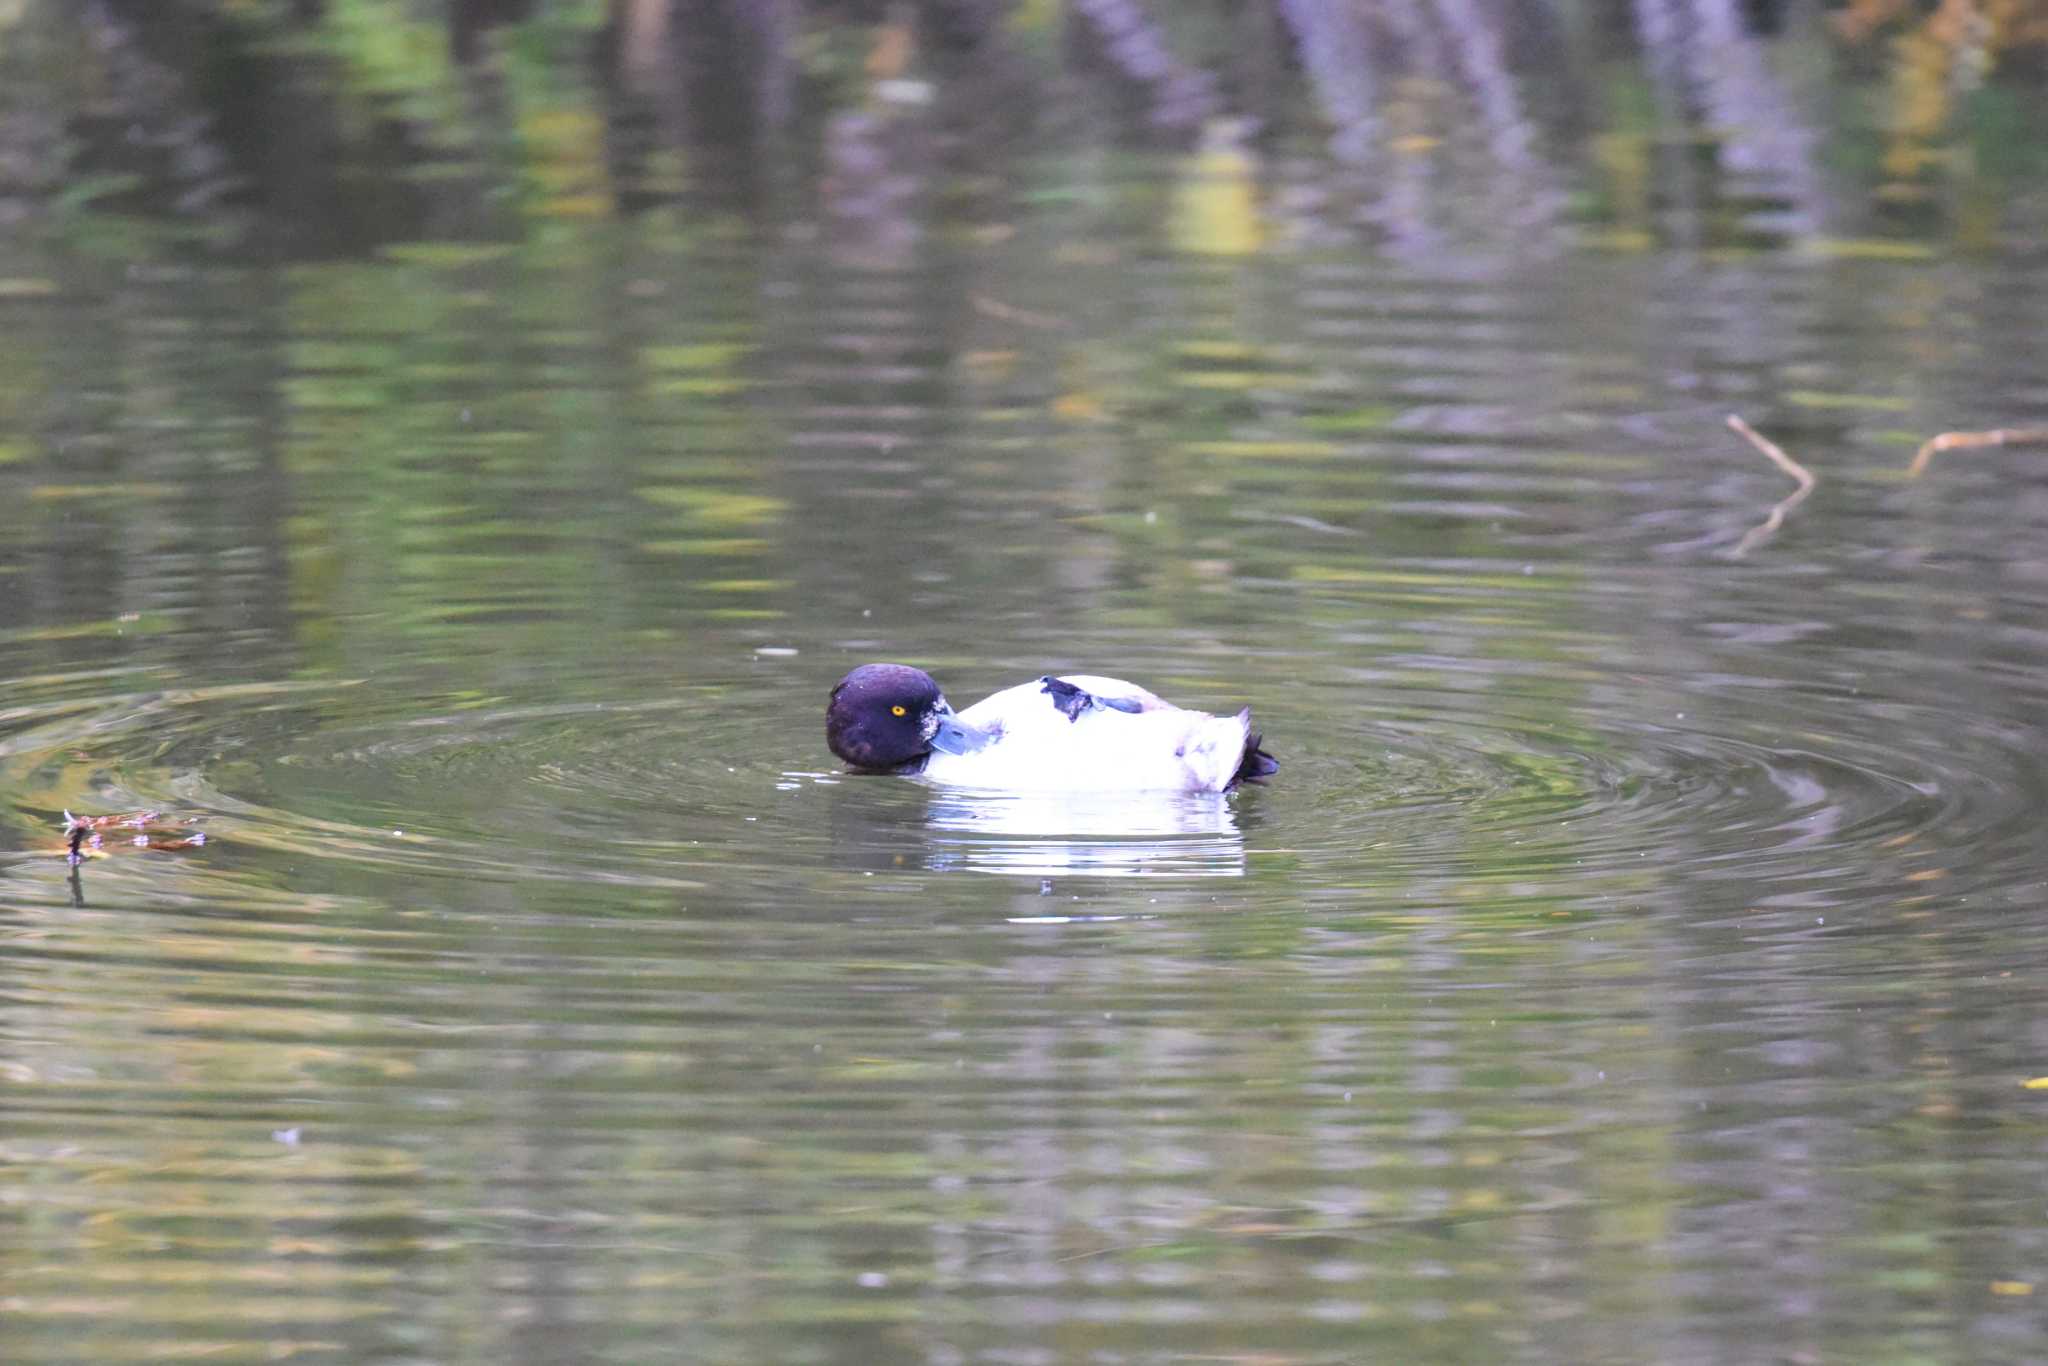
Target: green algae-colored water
x,y
451,471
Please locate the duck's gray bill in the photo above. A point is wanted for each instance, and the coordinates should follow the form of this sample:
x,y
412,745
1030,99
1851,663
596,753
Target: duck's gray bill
x,y
955,736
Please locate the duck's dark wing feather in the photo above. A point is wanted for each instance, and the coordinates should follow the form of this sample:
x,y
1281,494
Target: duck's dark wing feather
x,y
1073,700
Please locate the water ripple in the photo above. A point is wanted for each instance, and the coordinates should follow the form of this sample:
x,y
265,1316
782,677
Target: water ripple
x,y
1425,785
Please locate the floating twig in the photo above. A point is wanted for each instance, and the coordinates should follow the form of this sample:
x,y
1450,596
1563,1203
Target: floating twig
x,y
1769,526
1969,441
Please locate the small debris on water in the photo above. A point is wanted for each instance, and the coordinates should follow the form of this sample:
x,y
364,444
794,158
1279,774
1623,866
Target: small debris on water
x,y
83,838
288,1137
871,1280
774,651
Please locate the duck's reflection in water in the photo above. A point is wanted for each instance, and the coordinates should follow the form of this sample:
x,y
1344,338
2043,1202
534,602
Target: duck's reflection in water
x,y
1121,834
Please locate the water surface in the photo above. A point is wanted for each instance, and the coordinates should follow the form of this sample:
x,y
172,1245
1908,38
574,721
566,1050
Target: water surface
x,y
1638,956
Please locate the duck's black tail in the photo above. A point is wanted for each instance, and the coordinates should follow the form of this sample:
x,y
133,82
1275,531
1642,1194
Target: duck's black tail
x,y
1255,765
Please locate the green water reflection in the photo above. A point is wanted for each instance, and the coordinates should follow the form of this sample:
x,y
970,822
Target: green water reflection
x,y
449,450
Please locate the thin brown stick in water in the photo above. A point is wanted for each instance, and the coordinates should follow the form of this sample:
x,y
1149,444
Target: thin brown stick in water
x,y
1797,471
1969,441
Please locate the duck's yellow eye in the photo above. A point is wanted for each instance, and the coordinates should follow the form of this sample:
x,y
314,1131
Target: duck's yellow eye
x,y
896,711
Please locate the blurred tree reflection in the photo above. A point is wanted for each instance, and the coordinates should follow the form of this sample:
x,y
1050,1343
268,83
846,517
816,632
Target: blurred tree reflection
x,y
330,125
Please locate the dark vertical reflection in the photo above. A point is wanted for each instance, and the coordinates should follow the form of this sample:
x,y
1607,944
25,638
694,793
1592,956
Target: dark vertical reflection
x,y
470,20
704,84
1710,70
1121,39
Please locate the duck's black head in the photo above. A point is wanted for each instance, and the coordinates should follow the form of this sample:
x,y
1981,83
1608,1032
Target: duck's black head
x,y
885,717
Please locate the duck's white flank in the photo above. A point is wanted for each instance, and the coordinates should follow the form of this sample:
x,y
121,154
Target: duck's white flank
x,y
1158,748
